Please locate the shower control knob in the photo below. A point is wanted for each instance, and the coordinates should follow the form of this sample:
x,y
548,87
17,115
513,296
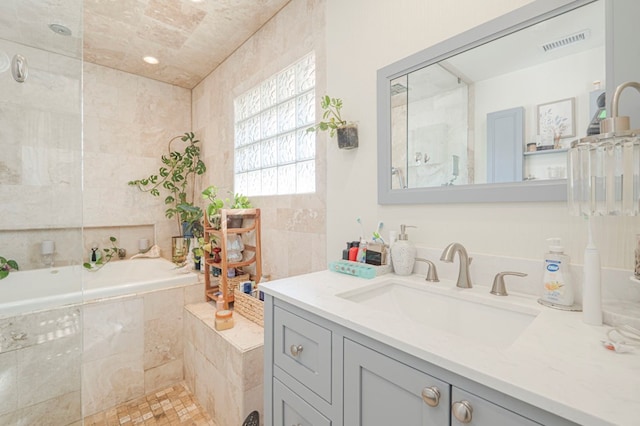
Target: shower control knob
x,y
462,411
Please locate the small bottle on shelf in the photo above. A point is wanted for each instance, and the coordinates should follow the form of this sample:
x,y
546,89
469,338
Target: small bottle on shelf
x,y
220,303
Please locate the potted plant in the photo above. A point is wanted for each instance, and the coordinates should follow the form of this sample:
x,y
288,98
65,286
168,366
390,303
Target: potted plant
x,y
213,208
333,122
191,220
177,177
239,202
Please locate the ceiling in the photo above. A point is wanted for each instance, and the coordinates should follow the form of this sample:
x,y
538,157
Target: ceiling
x,y
189,38
514,52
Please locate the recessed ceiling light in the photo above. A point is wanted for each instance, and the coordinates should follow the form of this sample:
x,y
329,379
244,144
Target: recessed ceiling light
x,y
197,1
60,29
151,60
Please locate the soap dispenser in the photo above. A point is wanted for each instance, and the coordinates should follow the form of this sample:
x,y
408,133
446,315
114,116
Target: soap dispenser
x,y
403,253
557,288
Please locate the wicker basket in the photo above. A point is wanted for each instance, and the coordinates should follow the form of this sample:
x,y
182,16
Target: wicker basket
x,y
234,282
249,307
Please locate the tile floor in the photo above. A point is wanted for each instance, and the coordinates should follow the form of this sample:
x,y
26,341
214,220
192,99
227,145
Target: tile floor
x,y
175,405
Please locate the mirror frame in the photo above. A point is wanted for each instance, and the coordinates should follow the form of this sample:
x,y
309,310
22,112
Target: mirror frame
x,y
526,191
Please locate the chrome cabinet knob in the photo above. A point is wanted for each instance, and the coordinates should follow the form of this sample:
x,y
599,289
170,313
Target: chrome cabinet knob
x,y
295,350
431,396
462,411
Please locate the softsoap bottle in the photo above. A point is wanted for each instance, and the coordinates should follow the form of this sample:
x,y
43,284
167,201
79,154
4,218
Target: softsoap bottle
x,y
403,253
557,289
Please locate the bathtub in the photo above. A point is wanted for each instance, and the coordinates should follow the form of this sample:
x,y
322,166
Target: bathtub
x,y
39,289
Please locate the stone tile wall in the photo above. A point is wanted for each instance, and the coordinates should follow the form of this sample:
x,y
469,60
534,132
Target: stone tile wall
x,y
224,369
293,226
40,361
133,346
109,352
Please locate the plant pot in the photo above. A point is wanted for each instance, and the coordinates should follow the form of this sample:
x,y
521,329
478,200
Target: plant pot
x,y
234,222
187,230
179,249
348,137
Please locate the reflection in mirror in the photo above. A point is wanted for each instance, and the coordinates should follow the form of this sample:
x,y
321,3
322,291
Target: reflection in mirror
x,y
503,111
430,126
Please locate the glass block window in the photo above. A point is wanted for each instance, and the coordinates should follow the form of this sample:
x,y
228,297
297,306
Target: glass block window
x,y
274,154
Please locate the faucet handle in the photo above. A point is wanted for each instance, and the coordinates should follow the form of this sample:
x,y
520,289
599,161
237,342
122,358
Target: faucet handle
x,y
499,288
432,273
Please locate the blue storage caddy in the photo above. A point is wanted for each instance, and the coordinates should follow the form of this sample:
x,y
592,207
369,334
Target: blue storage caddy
x,y
356,269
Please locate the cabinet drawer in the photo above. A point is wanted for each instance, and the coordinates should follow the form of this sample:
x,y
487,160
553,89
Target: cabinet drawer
x,y
303,350
482,412
290,409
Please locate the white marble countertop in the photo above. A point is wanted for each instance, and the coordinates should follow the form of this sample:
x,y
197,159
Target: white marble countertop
x,y
558,363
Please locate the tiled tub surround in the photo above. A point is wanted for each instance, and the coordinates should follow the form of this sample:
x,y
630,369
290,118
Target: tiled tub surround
x,y
224,369
557,363
127,341
40,365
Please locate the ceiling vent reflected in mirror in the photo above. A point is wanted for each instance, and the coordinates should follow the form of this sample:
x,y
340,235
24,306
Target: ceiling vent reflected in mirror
x,y
566,41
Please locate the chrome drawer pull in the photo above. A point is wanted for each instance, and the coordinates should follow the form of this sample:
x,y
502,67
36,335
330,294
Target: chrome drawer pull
x,y
431,396
295,350
462,411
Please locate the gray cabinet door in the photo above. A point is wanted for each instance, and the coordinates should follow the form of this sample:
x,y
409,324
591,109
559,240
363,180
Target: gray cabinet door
x,y
290,409
483,412
380,391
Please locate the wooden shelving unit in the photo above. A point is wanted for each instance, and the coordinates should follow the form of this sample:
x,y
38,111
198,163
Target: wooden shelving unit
x,y
251,255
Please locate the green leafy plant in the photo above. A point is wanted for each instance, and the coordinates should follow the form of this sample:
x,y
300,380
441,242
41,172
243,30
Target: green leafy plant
x,y
6,266
191,218
239,202
212,209
176,177
331,118
108,254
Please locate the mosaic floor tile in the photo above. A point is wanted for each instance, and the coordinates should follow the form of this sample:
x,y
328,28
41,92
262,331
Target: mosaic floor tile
x,y
175,405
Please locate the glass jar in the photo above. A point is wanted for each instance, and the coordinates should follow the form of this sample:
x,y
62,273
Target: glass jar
x,y
224,320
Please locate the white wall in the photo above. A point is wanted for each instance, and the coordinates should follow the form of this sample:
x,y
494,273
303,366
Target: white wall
x,y
575,77
363,36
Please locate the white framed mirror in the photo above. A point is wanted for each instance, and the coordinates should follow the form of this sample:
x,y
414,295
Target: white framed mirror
x,y
487,116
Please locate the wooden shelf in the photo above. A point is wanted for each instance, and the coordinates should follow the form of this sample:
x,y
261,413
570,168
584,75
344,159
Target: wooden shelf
x,y
250,234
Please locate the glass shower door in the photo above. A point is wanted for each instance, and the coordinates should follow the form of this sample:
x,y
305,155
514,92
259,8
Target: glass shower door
x,y
40,211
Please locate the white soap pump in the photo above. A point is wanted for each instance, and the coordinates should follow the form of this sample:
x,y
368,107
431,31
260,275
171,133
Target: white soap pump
x,y
403,253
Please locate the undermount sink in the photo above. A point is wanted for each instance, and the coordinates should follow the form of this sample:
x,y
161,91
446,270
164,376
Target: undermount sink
x,y
483,323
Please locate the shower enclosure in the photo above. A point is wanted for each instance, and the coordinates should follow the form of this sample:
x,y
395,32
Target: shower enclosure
x,y
41,203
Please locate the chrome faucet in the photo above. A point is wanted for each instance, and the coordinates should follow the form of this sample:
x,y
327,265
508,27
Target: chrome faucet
x,y
464,278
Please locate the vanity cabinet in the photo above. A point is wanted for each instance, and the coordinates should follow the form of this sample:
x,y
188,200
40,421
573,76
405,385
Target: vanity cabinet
x,y
321,373
379,390
290,409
